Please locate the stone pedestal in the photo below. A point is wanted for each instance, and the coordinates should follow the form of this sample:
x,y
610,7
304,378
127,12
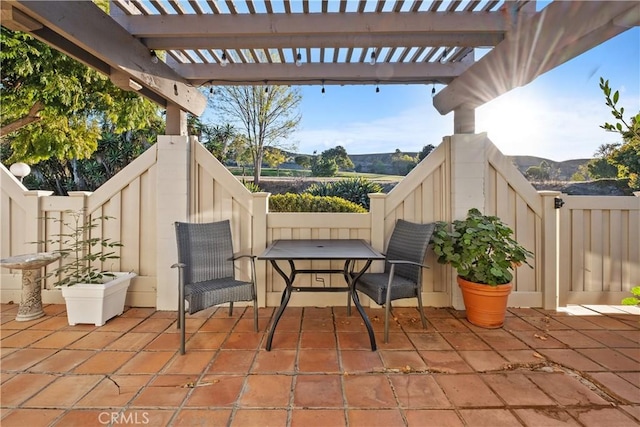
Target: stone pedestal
x,y
30,264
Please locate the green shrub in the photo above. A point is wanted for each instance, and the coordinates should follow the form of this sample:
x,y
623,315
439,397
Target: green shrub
x,y
253,187
291,202
355,190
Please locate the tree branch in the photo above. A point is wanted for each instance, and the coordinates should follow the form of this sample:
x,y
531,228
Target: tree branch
x,y
32,116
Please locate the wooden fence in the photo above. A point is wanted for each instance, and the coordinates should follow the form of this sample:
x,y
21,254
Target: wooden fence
x,y
588,251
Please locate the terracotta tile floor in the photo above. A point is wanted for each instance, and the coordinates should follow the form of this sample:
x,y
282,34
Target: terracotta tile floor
x,y
576,367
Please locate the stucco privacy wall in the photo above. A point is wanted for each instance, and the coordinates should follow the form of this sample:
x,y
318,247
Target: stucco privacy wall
x,y
178,180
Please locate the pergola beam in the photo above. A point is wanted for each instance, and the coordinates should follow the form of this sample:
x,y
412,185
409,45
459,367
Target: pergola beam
x,y
342,24
562,31
316,73
278,41
83,31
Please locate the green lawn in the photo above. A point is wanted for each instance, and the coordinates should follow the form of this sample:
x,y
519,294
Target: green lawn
x,y
294,173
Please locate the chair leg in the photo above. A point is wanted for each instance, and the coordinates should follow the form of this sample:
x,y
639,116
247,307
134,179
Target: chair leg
x,y
387,309
231,309
255,314
422,317
183,327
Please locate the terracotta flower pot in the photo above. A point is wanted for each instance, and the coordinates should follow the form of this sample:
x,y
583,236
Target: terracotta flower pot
x,y
486,305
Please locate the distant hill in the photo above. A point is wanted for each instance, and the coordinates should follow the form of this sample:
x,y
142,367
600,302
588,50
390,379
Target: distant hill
x,y
560,171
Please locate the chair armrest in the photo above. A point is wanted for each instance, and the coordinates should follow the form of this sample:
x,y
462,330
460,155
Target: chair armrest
x,y
238,256
252,258
179,265
401,261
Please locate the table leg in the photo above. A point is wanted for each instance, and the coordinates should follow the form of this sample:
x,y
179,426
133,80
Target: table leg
x,y
356,302
31,300
286,294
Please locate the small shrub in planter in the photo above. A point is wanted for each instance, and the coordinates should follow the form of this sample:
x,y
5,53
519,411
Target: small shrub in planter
x,y
92,295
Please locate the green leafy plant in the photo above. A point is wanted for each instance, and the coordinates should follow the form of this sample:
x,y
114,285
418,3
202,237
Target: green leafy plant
x,y
251,186
80,252
480,247
291,202
635,299
355,190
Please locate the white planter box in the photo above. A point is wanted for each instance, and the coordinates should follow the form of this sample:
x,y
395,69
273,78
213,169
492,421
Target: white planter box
x,y
96,303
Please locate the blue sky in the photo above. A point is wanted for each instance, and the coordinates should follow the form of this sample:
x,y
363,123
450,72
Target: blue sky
x,y
557,116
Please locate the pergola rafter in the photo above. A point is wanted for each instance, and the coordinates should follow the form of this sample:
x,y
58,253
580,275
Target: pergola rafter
x,y
412,41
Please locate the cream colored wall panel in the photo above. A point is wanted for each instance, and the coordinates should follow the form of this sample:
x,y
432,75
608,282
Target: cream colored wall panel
x,y
577,251
130,227
615,239
634,249
605,202
148,221
596,253
129,173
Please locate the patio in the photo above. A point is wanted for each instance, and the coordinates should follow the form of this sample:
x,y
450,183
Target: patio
x,y
578,367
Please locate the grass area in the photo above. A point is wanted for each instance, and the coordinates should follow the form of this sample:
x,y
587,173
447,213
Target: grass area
x,y
295,173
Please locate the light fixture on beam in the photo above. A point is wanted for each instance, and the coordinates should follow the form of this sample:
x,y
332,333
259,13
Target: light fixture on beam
x,y
224,61
372,58
433,90
298,59
154,56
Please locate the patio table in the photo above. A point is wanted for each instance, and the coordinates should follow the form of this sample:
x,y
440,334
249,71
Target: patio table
x,y
347,250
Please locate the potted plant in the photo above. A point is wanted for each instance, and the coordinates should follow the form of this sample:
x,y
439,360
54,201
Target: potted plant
x,y
92,293
634,299
483,252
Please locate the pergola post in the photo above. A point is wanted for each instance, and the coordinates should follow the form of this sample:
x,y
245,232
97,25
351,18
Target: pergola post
x,y
176,121
464,120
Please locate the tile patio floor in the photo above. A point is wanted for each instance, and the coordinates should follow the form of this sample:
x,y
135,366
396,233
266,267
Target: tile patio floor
x,y
542,369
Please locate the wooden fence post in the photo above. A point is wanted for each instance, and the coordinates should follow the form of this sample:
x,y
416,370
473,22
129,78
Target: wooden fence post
x,y
260,212
549,255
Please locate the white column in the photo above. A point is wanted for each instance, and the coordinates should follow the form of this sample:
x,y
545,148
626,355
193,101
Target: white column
x,y
172,204
468,181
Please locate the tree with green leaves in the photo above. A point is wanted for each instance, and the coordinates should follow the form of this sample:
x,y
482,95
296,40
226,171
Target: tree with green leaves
x,y
265,115
53,106
274,157
539,173
625,157
402,163
426,150
339,155
303,161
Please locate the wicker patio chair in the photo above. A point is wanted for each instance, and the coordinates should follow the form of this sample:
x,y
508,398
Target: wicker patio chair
x,y
206,271
402,269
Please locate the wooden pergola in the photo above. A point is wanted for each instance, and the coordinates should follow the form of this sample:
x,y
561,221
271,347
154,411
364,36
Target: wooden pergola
x,y
308,42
